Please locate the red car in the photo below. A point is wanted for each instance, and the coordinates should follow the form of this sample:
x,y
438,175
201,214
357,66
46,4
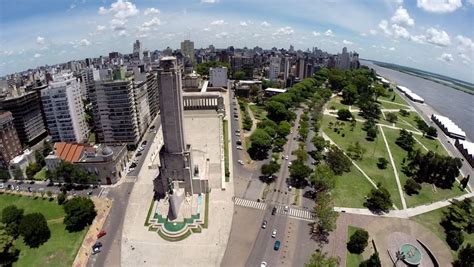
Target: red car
x,y
101,234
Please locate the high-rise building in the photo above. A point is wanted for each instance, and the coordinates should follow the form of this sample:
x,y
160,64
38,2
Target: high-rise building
x,y
10,146
344,60
274,69
153,95
64,110
286,69
89,75
142,107
175,156
115,116
218,77
187,49
27,117
137,50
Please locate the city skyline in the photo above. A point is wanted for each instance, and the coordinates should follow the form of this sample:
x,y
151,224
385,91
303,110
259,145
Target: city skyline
x,y
422,34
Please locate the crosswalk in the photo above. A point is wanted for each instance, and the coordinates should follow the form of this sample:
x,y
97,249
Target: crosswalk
x,y
292,212
249,203
295,213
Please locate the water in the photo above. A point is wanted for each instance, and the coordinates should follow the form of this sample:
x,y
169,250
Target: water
x,y
449,102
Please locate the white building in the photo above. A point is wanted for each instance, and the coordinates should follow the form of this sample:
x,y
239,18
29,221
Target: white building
x,y
218,77
286,70
274,69
63,109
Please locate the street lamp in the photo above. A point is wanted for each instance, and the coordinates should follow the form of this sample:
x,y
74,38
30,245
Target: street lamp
x,y
400,256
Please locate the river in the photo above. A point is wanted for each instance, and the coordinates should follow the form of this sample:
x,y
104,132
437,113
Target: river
x,y
452,103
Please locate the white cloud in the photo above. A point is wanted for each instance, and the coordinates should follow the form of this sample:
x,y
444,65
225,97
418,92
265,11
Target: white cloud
x,y
118,24
71,7
446,57
122,33
440,38
400,32
316,33
206,29
373,32
256,35
329,33
363,34
218,22
401,17
392,48
222,35
465,59
347,42
243,24
210,1
284,31
154,22
100,28
465,43
151,10
420,39
383,25
120,9
439,6
84,42
40,40
37,55
265,24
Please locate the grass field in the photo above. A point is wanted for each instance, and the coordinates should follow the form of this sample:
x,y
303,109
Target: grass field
x,y
258,111
431,221
61,248
41,175
428,193
344,193
398,99
352,260
374,150
335,102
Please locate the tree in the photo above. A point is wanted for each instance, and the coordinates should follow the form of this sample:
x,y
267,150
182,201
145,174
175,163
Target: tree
x,y
370,109
283,129
323,178
319,259
358,241
18,174
4,175
47,148
344,114
39,158
260,143
373,261
34,229
404,112
32,169
239,75
277,111
431,132
270,168
80,212
382,163
412,187
454,238
391,117
61,198
356,151
465,257
299,171
11,217
337,161
379,90
459,216
349,95
8,252
319,143
371,133
378,200
405,140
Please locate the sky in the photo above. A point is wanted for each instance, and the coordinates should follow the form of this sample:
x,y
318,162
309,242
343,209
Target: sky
x,y
432,35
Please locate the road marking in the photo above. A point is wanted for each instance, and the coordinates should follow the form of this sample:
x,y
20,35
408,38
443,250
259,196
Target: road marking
x,y
249,203
295,213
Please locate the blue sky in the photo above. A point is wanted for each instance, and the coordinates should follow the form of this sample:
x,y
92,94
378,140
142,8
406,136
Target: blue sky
x,y
433,35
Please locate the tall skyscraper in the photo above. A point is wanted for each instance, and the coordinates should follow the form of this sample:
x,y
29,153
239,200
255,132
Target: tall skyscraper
x,y
175,156
27,116
137,50
10,146
345,60
64,110
274,69
187,49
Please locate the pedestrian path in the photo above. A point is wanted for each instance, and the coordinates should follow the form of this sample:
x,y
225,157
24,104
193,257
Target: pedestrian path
x,y
249,203
295,213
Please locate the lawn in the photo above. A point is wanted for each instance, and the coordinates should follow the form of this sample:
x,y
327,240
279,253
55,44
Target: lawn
x,y
351,258
428,193
374,150
391,105
431,221
226,149
335,104
398,99
61,248
258,111
344,193
41,175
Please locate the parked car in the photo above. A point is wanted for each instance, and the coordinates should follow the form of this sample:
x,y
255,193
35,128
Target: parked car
x,y
286,209
144,143
263,264
264,224
95,250
274,210
138,154
240,147
101,234
241,162
239,142
2,185
277,245
274,233
286,157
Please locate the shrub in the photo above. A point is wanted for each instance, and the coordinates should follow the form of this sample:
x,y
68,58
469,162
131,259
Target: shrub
x,y
358,241
454,238
382,163
412,187
61,198
344,114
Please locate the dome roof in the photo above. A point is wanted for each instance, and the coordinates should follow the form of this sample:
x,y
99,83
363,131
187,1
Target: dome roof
x,y
107,151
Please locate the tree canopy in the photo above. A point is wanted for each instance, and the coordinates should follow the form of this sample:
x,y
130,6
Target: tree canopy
x,y
80,212
379,200
358,241
337,161
34,229
319,259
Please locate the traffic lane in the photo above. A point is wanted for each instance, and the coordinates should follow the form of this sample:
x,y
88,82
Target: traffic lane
x,y
272,256
261,241
149,137
110,254
304,246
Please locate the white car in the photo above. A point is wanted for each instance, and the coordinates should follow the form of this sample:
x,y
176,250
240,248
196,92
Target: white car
x,y
274,233
241,162
286,157
238,134
263,264
240,147
286,208
289,163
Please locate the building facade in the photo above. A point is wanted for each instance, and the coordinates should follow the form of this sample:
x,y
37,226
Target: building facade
x,y
187,49
10,146
27,117
274,69
64,110
218,77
